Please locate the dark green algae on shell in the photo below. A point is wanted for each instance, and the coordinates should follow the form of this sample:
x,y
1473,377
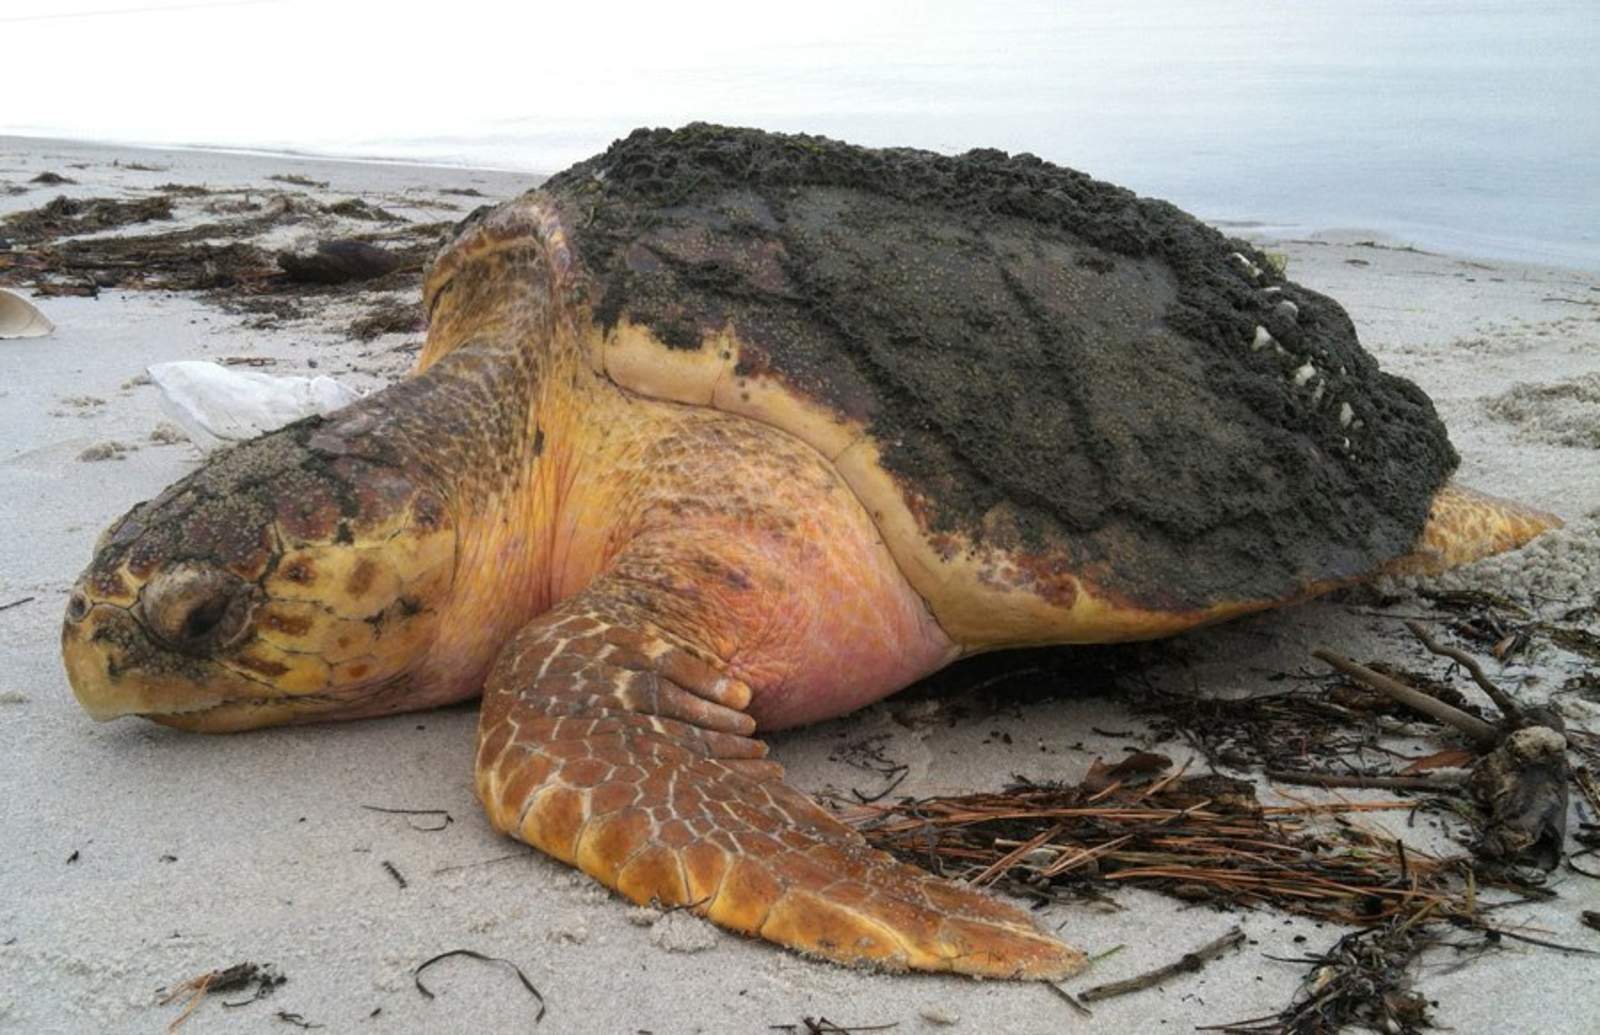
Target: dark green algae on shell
x,y
1050,364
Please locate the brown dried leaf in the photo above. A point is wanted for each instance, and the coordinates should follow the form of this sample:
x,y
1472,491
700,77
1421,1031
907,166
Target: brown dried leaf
x,y
1449,758
1139,766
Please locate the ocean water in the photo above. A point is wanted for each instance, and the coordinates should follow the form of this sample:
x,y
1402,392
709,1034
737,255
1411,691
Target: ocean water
x,y
1468,126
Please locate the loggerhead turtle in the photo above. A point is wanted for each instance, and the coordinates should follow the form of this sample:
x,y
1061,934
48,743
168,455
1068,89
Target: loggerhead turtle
x,y
722,432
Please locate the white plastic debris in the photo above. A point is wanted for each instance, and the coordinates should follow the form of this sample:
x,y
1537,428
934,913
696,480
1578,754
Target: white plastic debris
x,y
20,318
217,406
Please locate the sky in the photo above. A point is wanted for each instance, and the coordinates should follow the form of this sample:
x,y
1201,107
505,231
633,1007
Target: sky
x,y
346,75
1466,117
349,75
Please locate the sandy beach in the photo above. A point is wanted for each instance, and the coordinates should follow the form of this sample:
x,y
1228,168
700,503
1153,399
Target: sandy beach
x,y
138,857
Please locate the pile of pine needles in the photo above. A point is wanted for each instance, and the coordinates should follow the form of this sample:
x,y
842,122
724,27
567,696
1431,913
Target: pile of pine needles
x,y
1207,839
1201,839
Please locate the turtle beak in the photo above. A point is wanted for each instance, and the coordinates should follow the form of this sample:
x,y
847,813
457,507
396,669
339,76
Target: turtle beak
x,y
92,672
119,665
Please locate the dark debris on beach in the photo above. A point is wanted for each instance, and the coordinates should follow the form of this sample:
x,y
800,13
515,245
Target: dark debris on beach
x,y
1209,840
256,981
78,247
63,216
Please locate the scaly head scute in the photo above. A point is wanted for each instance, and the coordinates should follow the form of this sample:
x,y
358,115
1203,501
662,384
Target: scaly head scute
x,y
311,573
297,576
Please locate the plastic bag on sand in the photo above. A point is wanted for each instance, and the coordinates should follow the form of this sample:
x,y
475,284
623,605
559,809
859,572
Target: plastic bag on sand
x,y
20,318
217,406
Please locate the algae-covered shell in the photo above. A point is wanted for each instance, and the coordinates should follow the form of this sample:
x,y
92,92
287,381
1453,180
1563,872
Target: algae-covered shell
x,y
1051,394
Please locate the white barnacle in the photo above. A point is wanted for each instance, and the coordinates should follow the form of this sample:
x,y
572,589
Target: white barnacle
x,y
1263,339
1316,395
1287,310
1303,373
1346,415
1245,266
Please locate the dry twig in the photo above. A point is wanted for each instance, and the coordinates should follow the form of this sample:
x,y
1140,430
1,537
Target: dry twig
x,y
1188,963
1482,733
1390,783
1502,700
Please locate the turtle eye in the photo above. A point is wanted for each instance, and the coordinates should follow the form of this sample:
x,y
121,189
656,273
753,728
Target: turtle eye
x,y
195,608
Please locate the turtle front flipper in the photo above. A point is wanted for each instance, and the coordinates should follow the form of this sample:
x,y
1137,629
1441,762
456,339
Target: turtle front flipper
x,y
610,744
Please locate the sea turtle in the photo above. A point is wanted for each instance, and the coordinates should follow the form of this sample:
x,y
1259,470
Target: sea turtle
x,y
722,432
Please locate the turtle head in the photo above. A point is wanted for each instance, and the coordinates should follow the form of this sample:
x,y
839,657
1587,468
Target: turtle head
x,y
298,576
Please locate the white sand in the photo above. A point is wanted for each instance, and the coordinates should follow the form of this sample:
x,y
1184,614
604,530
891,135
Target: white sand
x,y
136,856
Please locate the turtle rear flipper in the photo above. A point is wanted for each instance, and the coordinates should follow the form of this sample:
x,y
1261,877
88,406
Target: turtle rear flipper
x,y
1465,525
610,746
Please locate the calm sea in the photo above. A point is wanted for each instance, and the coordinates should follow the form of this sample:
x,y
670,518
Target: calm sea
x,y
1466,126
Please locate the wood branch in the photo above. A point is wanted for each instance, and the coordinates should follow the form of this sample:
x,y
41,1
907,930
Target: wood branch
x,y
1502,700
1388,783
1188,963
1482,733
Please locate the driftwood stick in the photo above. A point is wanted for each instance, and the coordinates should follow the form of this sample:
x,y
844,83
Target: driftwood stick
x,y
1188,963
1388,783
1502,700
1482,733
